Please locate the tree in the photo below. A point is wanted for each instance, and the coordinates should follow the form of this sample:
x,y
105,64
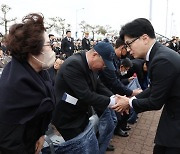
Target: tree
x,y
101,30
108,28
4,21
58,24
84,26
94,29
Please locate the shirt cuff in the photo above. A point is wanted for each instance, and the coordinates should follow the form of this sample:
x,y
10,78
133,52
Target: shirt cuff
x,y
112,101
130,101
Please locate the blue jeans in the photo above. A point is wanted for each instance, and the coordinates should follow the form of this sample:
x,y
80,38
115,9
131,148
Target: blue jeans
x,y
134,84
87,142
107,124
132,116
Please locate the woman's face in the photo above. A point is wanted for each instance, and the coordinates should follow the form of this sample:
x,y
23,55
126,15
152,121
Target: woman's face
x,y
46,47
46,58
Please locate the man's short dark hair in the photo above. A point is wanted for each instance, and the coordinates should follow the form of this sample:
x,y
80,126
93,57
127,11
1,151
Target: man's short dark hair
x,y
126,62
68,31
50,35
119,42
137,28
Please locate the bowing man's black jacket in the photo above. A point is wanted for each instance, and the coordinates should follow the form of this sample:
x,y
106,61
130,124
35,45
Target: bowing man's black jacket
x,y
164,90
76,79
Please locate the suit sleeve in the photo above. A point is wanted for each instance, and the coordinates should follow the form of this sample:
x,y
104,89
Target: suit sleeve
x,y
102,89
144,94
162,75
114,83
75,78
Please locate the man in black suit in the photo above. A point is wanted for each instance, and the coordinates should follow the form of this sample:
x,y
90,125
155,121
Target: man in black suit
x,y
86,42
78,88
164,75
111,79
67,45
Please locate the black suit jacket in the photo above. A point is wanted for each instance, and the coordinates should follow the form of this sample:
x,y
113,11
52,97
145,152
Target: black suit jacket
x,y
164,90
76,79
85,44
67,46
112,80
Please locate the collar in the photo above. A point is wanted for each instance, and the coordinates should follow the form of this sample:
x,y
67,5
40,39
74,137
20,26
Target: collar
x,y
149,51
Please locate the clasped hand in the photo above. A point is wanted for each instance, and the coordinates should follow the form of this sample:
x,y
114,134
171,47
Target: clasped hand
x,y
122,104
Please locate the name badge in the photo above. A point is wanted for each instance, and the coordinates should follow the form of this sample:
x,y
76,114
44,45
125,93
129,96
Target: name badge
x,y
69,99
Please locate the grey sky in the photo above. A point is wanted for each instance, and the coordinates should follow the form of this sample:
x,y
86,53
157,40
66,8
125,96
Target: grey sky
x,y
100,12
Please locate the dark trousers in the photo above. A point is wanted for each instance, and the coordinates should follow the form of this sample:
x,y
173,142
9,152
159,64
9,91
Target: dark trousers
x,y
121,121
158,149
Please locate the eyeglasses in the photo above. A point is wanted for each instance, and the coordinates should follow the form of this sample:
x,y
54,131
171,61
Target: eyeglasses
x,y
128,44
47,45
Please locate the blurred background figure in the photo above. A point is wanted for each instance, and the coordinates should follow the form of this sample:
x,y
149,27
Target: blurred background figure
x,y
86,41
67,44
55,68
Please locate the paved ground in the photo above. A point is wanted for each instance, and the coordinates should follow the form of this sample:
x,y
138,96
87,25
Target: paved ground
x,y
141,138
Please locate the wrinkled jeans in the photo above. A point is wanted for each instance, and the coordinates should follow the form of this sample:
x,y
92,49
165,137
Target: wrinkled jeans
x,y
134,84
87,142
107,124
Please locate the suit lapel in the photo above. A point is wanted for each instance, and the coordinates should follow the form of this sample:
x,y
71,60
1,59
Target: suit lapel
x,y
154,50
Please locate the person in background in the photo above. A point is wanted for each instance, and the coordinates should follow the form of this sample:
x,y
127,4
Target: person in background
x,y
56,46
52,38
55,68
26,91
107,38
164,74
173,45
67,44
86,42
111,79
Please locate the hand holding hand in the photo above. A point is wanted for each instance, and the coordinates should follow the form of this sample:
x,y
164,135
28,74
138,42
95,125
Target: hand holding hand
x,y
122,104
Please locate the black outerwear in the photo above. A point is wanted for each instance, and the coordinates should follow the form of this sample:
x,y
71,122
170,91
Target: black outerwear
x,y
26,103
76,79
164,90
24,94
85,44
111,79
67,47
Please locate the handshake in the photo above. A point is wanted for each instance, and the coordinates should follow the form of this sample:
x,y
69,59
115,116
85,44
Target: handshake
x,y
122,103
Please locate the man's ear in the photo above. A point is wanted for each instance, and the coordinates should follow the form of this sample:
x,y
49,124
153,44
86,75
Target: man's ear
x,y
95,54
145,38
